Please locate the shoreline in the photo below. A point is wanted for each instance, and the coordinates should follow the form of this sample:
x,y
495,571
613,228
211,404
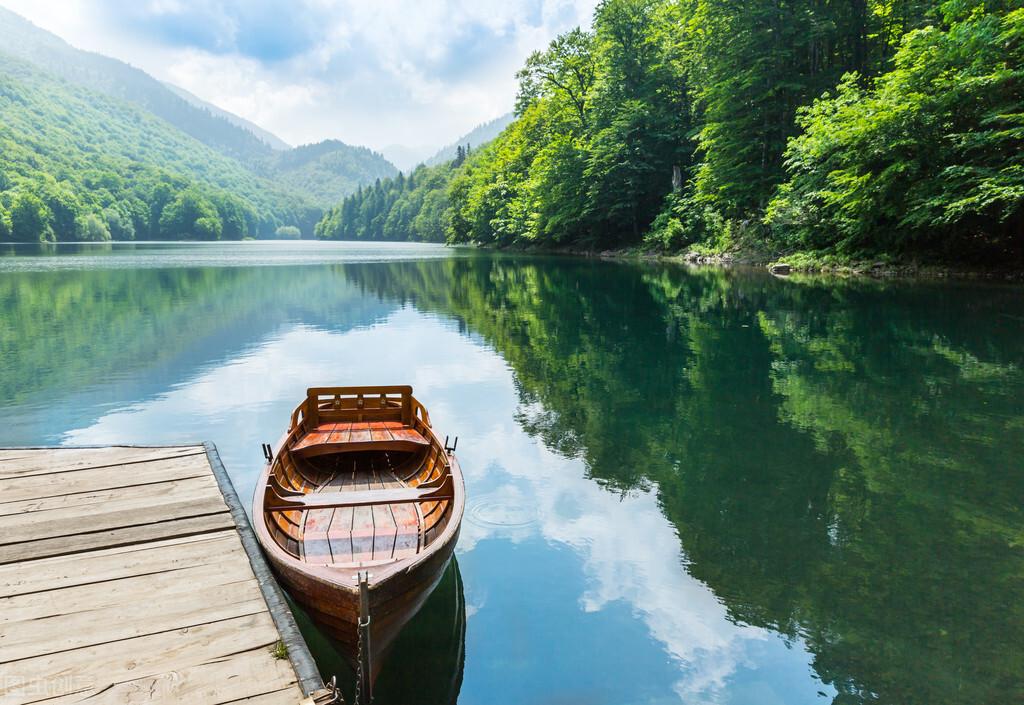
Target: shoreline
x,y
796,263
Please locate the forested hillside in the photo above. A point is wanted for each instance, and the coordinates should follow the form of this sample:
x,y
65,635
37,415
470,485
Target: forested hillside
x,y
272,140
95,148
77,165
413,207
326,170
22,39
856,128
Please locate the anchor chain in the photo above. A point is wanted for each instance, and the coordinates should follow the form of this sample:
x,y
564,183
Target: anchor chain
x,y
364,689
359,666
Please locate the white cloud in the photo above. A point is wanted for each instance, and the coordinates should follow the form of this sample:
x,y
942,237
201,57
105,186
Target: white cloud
x,y
388,72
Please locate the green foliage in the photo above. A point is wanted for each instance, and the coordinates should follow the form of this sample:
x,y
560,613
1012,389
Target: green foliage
x,y
400,208
190,216
30,219
5,224
92,228
119,221
326,171
287,232
930,157
81,152
871,126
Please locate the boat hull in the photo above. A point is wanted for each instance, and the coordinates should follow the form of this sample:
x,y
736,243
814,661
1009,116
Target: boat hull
x,y
334,606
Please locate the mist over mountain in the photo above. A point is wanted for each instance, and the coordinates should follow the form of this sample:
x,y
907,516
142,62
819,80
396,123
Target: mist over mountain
x,y
477,137
94,148
269,138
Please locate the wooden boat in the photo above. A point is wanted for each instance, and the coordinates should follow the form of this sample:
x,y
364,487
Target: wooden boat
x,y
360,483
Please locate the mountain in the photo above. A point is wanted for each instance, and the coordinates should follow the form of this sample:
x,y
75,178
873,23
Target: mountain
x,y
405,157
327,171
78,164
269,138
477,137
22,39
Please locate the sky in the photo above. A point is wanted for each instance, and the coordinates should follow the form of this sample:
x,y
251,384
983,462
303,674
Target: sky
x,y
372,72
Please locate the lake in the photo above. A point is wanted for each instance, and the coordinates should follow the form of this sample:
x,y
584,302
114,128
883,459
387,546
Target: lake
x,y
684,485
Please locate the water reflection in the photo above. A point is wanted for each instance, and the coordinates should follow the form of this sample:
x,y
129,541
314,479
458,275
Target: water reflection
x,y
842,462
432,646
696,486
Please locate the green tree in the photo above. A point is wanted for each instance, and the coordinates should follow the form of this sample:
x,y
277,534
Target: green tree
x,y
287,232
5,224
30,219
566,67
119,222
64,206
92,228
190,216
930,158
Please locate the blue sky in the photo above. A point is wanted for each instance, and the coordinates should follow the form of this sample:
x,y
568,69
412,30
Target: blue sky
x,y
373,72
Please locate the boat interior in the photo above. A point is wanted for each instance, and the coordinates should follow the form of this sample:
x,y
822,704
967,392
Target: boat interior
x,y
360,479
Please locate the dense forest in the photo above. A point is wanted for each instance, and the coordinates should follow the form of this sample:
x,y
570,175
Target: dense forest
x,y
865,128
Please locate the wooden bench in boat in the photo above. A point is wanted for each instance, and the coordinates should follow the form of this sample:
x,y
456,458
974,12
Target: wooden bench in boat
x,y
339,437
290,501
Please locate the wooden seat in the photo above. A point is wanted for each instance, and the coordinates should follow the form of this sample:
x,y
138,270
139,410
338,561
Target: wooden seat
x,y
362,498
340,437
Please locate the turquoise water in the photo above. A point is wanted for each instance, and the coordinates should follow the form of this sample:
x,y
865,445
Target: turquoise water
x,y
684,486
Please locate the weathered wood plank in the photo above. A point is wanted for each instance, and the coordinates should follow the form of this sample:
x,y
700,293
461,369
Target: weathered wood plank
x,y
384,527
62,545
98,566
106,478
94,669
278,697
13,463
112,593
339,534
142,495
244,675
71,521
123,580
148,614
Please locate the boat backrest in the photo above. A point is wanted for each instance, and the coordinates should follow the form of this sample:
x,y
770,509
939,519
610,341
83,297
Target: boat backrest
x,y
384,403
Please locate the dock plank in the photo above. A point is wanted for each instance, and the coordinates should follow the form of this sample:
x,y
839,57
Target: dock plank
x,y
58,460
123,579
15,489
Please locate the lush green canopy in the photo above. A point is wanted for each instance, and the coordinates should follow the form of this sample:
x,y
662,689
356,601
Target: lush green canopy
x,y
875,126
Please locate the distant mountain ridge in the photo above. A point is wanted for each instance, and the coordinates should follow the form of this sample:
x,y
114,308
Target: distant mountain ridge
x,y
477,137
337,169
24,40
268,137
76,164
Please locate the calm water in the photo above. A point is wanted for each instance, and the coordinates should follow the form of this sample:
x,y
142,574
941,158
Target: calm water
x,y
684,486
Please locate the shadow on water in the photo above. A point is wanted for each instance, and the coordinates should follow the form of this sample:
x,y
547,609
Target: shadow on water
x,y
425,664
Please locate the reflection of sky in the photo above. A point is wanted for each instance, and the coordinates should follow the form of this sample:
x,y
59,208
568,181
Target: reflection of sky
x,y
575,594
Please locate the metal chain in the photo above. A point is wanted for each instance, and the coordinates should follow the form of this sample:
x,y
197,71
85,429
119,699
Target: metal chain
x,y
359,664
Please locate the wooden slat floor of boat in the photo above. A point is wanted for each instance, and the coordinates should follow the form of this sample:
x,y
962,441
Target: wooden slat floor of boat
x,y
336,435
348,536
123,579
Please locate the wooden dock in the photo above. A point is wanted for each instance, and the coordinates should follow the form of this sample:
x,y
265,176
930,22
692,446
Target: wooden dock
x,y
131,574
